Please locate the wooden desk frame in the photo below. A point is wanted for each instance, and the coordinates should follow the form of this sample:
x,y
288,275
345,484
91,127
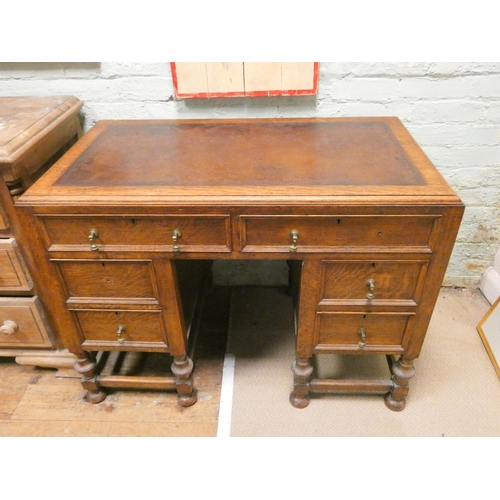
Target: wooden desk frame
x,y
364,207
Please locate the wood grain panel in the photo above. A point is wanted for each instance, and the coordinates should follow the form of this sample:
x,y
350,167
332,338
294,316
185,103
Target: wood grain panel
x,y
392,279
263,233
382,329
105,278
22,323
14,276
143,330
153,233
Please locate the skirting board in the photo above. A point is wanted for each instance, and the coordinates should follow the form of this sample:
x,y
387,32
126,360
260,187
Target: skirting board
x,y
490,285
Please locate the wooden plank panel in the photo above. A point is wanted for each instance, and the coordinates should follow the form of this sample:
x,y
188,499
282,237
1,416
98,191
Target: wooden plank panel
x,y
262,78
132,409
63,428
296,77
72,428
191,78
225,79
51,406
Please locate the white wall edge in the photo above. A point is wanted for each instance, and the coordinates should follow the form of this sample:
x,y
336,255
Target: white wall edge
x,y
490,285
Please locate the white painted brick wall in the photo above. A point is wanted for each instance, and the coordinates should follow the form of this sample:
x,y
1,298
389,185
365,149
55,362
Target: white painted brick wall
x,y
452,109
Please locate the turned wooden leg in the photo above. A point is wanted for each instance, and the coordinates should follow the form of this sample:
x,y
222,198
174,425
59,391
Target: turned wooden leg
x,y
182,367
402,372
302,370
86,365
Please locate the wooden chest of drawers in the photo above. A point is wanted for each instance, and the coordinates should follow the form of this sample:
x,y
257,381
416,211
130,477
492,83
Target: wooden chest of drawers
x,y
126,220
34,133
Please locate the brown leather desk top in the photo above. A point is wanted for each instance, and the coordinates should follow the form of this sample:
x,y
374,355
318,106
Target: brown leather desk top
x,y
210,160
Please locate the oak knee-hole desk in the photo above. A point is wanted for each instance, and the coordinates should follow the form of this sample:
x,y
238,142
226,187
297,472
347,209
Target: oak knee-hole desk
x,y
125,223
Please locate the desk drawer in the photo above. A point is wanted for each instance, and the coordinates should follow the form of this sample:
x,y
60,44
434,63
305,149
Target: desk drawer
x,y
373,280
127,330
375,330
108,279
316,233
22,323
14,276
133,233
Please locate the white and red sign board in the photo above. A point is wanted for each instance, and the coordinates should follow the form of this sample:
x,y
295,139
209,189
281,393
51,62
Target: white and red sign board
x,y
249,79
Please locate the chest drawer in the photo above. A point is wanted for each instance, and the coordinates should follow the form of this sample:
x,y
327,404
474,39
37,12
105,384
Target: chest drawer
x,y
4,221
14,276
138,233
22,323
373,280
316,233
360,331
108,279
127,330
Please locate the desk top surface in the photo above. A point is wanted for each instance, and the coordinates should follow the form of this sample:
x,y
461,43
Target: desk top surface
x,y
224,160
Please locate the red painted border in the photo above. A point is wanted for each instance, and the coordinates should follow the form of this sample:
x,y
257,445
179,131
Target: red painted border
x,y
258,93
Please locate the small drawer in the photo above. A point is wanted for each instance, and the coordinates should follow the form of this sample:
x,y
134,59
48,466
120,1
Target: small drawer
x,y
295,234
174,234
127,330
371,281
14,276
359,331
107,279
22,323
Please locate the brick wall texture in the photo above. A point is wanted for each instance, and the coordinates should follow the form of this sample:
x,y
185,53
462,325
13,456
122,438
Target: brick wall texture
x,y
452,110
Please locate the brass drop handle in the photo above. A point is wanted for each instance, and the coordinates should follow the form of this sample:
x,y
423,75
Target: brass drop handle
x,y
121,329
9,327
362,334
371,285
294,234
176,234
93,234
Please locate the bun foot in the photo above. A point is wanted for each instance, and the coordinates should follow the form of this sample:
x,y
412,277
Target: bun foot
x,y
95,397
392,404
298,402
187,400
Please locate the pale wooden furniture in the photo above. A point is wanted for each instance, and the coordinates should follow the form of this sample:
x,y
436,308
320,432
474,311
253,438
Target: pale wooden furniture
x,y
34,133
125,221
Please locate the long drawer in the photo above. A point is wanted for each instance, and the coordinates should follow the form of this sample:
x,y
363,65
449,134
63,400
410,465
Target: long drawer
x,y
197,233
316,233
22,323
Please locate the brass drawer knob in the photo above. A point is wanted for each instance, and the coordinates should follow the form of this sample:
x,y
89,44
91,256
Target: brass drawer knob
x,y
120,338
176,234
294,234
362,334
371,285
93,234
9,327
